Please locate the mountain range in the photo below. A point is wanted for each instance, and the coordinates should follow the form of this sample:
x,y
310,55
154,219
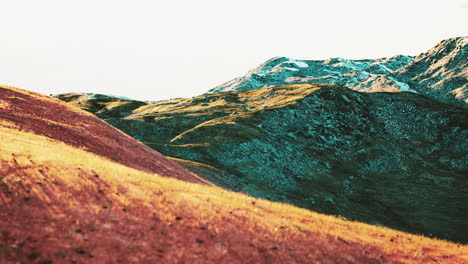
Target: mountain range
x,y
299,161
386,158
441,73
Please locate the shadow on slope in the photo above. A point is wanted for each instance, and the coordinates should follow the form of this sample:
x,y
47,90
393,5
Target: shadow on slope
x,y
393,159
60,203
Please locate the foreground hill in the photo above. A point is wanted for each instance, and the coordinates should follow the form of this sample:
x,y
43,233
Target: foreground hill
x,y
54,119
393,159
61,203
441,73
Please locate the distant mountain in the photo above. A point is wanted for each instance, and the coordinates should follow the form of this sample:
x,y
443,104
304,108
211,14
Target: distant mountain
x,y
441,73
393,159
61,201
283,71
104,106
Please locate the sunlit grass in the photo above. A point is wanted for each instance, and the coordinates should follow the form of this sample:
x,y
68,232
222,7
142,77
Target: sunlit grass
x,y
50,188
130,188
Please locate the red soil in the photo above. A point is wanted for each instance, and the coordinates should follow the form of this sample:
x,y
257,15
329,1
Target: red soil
x,y
52,118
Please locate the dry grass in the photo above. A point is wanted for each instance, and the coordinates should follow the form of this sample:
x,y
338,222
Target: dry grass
x,y
61,203
55,119
208,172
230,106
254,100
71,191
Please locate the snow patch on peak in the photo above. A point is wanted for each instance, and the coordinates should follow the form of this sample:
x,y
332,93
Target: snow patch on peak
x,y
298,63
353,65
403,86
383,66
291,69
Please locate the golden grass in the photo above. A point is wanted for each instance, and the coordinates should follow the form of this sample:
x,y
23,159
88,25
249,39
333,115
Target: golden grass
x,y
45,98
50,189
254,100
130,188
55,119
234,105
193,163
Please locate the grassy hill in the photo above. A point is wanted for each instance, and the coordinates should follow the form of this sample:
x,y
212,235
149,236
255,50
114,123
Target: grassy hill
x,y
62,202
392,159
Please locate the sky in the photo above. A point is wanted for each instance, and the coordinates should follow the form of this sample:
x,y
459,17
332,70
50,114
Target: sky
x,y
154,50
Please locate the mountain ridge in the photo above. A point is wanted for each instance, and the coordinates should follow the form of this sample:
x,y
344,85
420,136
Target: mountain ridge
x,y
440,73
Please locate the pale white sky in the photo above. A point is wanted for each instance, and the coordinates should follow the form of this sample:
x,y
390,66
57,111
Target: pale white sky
x,y
152,49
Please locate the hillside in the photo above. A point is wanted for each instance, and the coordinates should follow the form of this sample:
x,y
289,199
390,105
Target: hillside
x,y
54,119
441,73
392,159
61,203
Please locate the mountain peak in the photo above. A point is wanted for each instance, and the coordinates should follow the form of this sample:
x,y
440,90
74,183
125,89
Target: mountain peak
x,y
341,71
440,73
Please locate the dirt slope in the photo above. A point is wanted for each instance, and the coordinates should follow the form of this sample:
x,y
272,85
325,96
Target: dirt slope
x,y
63,204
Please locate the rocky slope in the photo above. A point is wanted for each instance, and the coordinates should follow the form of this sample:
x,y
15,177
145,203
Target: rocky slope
x,y
62,202
393,159
283,71
441,73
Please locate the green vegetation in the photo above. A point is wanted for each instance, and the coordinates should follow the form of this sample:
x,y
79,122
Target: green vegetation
x,y
393,159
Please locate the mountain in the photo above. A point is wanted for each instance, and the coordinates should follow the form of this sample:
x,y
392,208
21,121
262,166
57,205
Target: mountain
x,y
393,159
441,73
283,71
61,201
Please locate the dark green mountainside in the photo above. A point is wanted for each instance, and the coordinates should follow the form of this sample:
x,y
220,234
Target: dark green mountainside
x,y
394,159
